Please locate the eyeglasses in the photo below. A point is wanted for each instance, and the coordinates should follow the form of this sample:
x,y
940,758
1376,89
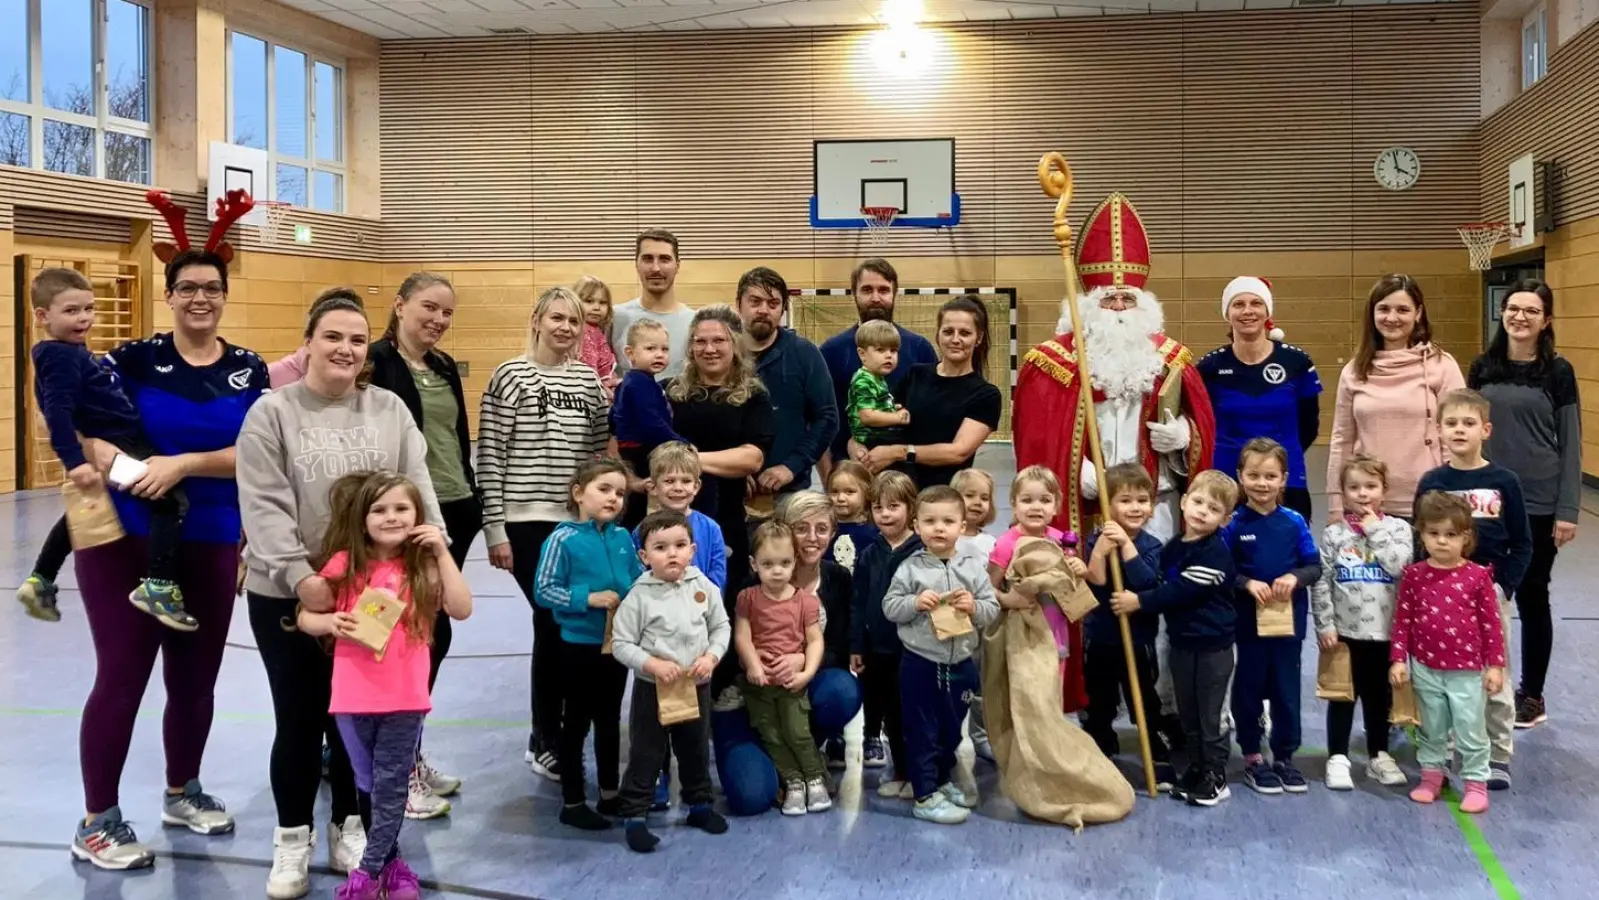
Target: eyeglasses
x,y
211,289
1530,312
806,529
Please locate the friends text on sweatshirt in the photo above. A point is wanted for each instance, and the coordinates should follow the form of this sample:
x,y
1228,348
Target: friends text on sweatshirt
x,y
1360,578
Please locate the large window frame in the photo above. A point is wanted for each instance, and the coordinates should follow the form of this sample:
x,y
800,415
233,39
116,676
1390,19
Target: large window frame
x,y
102,122
311,163
1534,46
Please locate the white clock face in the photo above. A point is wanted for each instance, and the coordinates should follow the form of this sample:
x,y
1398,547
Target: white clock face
x,y
1397,168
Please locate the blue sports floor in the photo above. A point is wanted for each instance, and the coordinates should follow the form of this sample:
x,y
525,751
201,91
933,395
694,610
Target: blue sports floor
x,y
502,840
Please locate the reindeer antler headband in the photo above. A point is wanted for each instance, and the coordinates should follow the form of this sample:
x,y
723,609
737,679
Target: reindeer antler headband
x,y
230,209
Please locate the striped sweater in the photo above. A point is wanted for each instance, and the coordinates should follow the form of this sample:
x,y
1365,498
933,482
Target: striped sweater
x,y
538,424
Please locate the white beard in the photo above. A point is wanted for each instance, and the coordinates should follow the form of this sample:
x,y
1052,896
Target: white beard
x,y
1123,360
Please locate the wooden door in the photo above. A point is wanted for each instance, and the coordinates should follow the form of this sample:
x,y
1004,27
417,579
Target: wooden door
x,y
119,313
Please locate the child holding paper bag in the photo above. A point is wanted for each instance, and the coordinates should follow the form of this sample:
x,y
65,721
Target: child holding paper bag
x,y
1277,561
1362,556
385,567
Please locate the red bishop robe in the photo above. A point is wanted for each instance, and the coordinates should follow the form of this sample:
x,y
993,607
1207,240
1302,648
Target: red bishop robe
x,y
1048,429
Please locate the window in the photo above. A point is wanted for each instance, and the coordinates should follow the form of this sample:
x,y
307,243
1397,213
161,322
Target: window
x,y
1534,47
75,87
290,104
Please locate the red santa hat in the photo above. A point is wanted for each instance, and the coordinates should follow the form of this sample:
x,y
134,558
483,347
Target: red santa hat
x,y
1250,284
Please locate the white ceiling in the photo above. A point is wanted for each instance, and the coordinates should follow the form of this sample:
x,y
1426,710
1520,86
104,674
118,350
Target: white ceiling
x,y
396,19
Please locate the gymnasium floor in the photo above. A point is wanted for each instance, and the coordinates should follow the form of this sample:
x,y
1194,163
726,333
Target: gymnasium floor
x,y
502,840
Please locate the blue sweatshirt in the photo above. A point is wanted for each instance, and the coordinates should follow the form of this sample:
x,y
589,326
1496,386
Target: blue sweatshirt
x,y
803,407
1504,538
710,549
1265,548
870,630
79,396
640,414
1140,573
843,358
1195,594
579,559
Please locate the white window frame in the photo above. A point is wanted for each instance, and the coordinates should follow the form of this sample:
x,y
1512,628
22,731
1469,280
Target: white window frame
x,y
1534,46
310,163
102,122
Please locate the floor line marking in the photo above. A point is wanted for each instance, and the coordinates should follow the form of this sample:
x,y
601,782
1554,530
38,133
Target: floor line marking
x,y
1491,866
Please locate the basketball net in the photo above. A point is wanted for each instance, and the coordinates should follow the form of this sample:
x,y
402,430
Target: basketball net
x,y
878,220
277,213
1480,238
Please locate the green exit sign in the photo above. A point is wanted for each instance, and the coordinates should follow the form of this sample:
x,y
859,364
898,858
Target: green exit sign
x,y
302,234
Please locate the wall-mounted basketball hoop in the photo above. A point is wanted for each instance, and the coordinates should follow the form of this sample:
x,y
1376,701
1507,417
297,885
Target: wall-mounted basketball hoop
x,y
914,178
1480,238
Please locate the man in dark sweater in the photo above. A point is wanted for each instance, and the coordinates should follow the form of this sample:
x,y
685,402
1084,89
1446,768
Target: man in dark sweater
x,y
1504,538
795,377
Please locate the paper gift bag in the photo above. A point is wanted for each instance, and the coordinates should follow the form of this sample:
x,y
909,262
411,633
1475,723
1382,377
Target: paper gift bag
x,y
1275,619
91,517
1404,710
949,622
376,613
678,701
610,622
1077,602
1334,678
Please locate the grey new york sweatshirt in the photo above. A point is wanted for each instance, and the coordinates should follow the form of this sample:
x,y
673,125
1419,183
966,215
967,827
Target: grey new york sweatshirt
x,y
1360,578
294,445
677,620
922,571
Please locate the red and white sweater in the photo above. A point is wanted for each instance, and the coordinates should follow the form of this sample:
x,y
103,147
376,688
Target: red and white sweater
x,y
1448,619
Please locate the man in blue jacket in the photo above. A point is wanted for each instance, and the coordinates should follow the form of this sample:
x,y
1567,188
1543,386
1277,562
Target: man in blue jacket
x,y
795,378
875,285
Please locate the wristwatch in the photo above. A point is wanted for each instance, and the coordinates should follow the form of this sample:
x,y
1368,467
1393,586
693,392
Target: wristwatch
x,y
910,453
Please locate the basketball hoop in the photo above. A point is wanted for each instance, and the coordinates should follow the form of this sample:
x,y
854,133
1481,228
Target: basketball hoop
x,y
878,220
1480,238
277,212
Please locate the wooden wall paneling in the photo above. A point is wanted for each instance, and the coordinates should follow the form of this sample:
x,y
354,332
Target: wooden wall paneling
x,y
32,222
8,356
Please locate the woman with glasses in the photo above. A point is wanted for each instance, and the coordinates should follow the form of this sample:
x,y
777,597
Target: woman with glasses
x,y
191,389
1537,433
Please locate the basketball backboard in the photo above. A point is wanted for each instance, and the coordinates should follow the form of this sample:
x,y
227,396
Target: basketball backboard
x,y
235,168
916,177
1523,201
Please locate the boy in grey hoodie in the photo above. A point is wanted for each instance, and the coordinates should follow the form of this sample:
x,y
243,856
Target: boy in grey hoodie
x,y
937,677
671,625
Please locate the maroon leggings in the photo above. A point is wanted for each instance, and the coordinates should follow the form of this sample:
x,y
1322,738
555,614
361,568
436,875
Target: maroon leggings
x,y
125,645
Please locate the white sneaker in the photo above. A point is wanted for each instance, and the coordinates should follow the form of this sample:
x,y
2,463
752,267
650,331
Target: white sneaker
x,y
290,877
1385,771
196,810
1338,773
439,783
420,800
729,699
346,844
894,790
959,797
109,843
816,799
794,799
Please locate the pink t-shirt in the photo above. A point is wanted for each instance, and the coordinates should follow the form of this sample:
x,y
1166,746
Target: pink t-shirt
x,y
1004,549
362,683
289,369
777,627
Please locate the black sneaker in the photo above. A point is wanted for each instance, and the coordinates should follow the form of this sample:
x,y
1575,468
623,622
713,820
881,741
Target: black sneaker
x,y
872,754
1293,781
1211,791
1165,777
1498,776
833,749
1530,711
1187,784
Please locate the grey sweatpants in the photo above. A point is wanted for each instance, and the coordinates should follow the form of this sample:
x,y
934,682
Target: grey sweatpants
x,y
382,748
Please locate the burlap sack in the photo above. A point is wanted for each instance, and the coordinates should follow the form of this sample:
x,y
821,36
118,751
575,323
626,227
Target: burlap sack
x,y
678,701
1039,567
610,622
91,517
1335,679
376,614
1404,710
1050,768
949,622
1275,619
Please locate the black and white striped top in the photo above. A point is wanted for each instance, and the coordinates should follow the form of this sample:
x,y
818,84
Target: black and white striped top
x,y
538,424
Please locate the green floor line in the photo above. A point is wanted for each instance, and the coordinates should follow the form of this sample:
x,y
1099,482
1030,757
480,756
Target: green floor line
x,y
37,712
1491,867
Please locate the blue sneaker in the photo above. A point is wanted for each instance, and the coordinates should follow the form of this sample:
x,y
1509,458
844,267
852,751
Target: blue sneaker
x,y
164,600
1262,778
38,595
1292,779
872,755
663,793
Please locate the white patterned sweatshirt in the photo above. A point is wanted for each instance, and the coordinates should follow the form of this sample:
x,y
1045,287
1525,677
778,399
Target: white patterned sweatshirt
x,y
1356,594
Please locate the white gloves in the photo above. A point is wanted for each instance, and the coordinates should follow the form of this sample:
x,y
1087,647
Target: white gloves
x,y
1168,436
1088,480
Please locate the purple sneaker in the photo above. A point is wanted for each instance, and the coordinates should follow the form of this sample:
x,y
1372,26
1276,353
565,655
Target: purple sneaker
x,y
359,886
399,882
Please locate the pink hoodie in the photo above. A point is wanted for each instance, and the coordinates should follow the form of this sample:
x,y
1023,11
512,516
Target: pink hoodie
x,y
1392,415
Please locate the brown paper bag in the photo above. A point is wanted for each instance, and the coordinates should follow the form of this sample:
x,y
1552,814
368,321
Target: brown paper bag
x,y
91,518
376,614
610,622
1404,710
679,701
1275,619
1077,602
1334,678
949,622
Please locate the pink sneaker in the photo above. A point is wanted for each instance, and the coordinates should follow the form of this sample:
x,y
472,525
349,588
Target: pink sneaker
x,y
1432,783
359,886
399,882
1476,799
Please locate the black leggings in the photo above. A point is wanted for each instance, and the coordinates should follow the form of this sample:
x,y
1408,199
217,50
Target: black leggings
x,y
527,545
880,685
1532,602
300,675
463,519
1297,499
1368,664
594,686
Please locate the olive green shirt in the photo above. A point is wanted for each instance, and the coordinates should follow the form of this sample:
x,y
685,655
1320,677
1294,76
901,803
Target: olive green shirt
x,y
439,412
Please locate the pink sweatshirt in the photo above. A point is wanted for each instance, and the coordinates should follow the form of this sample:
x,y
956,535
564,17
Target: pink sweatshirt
x,y
1448,619
289,369
596,353
1392,415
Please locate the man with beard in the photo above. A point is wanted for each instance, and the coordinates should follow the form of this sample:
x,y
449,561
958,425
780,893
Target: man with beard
x,y
655,258
792,371
875,285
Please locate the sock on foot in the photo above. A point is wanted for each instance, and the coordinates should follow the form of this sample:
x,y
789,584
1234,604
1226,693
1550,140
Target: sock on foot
x,y
583,816
639,837
707,820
